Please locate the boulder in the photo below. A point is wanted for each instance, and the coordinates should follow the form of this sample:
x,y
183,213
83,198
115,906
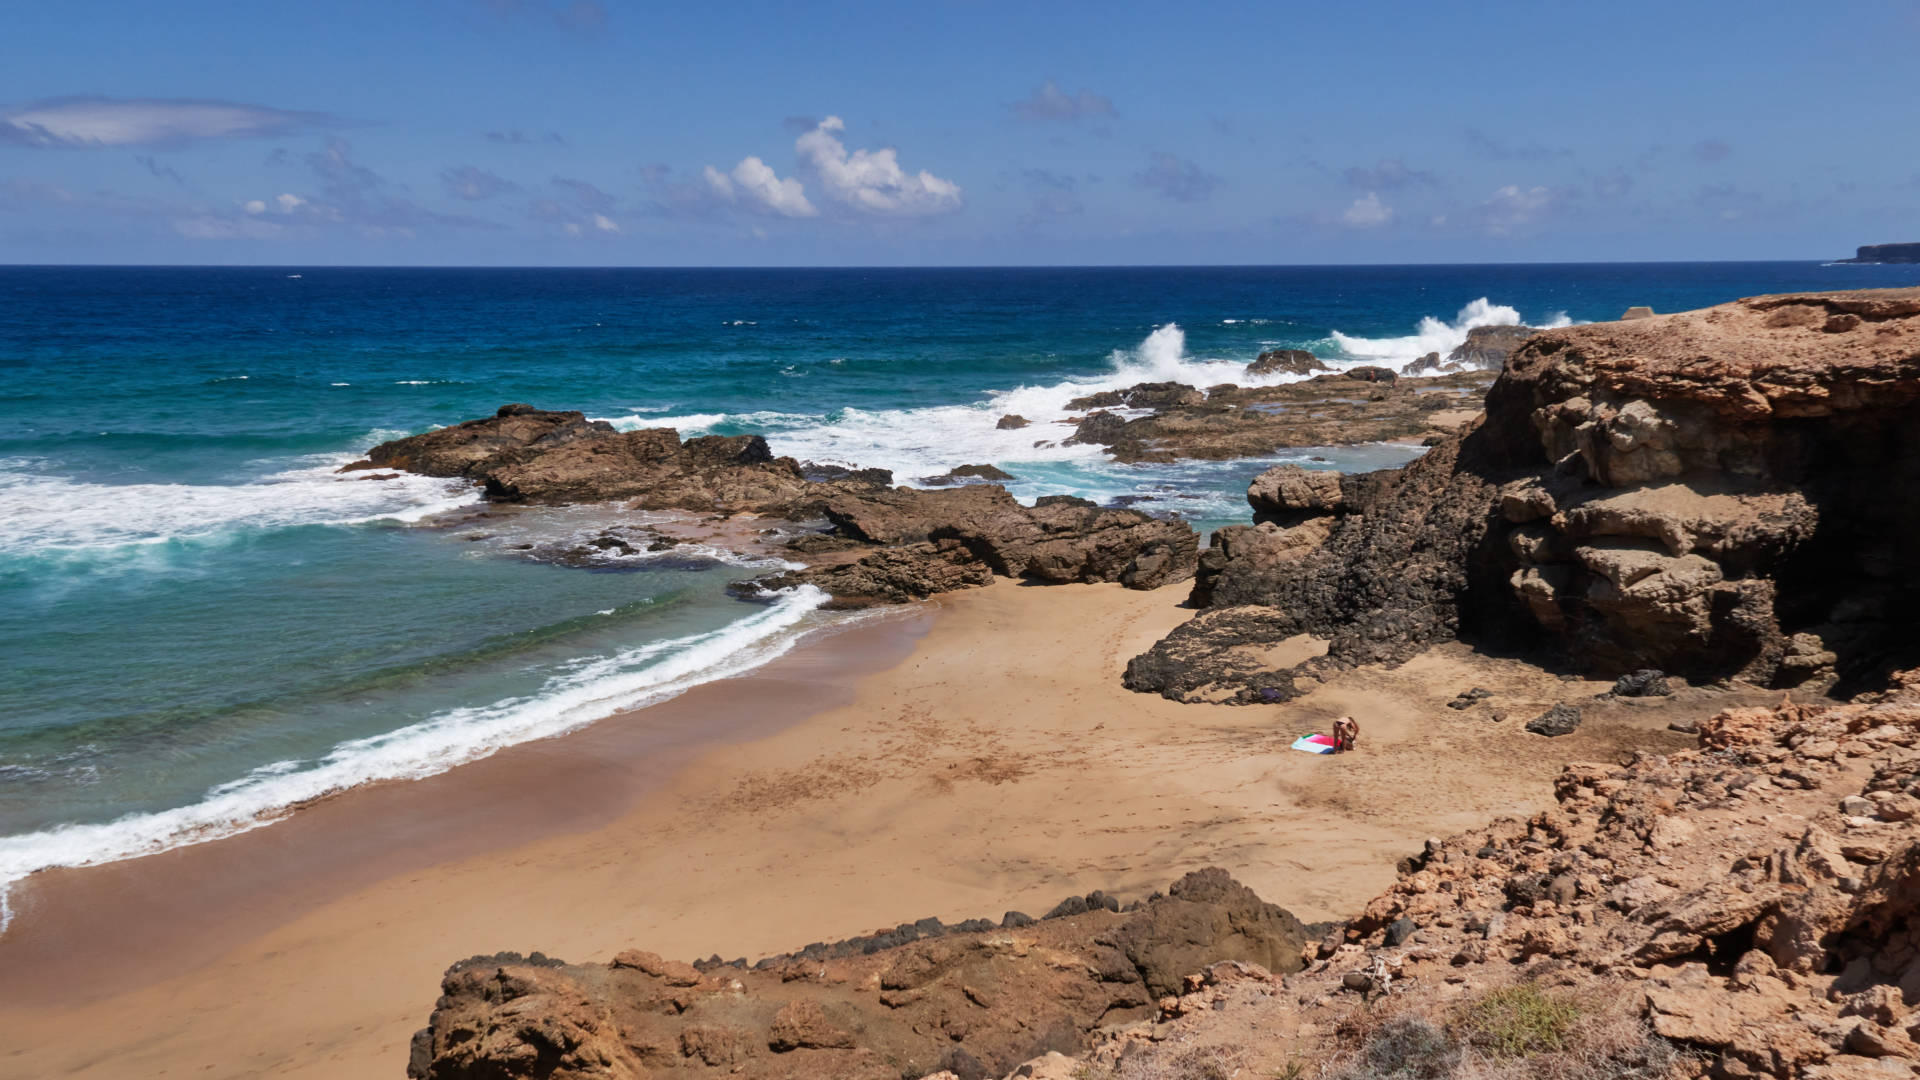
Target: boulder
x,y
1290,493
1562,719
1012,422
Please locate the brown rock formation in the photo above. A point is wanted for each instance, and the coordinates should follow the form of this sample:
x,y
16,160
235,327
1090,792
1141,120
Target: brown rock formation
x,y
1327,410
957,537
977,999
528,455
1719,493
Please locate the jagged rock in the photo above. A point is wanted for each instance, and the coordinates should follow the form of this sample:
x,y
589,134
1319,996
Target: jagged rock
x,y
1647,682
1160,395
977,1003
1012,422
1286,361
528,455
1718,494
1487,347
958,537
1562,719
970,472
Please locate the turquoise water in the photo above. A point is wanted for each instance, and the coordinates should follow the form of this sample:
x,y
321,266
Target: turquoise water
x,y
203,623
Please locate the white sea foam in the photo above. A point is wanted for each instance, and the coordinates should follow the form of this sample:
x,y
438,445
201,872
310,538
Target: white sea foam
x,y
46,513
924,442
1433,335
585,691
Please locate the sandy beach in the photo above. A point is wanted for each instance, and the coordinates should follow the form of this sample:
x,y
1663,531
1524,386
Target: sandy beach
x,y
969,756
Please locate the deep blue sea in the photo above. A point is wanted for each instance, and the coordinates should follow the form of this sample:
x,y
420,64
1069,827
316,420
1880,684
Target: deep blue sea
x,y
203,624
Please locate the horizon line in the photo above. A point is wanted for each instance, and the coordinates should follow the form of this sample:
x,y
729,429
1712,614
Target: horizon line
x,y
1841,261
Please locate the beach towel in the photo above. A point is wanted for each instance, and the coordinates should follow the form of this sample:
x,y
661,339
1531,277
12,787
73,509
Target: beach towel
x,y
1314,744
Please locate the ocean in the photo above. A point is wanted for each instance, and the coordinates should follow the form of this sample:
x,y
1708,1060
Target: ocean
x,y
205,625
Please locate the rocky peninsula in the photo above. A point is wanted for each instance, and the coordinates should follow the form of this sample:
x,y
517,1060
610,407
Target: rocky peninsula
x,y
1706,504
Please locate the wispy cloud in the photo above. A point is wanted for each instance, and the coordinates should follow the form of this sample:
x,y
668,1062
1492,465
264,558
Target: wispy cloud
x,y
516,137
1712,150
1175,178
1050,102
474,184
92,122
872,181
159,169
1055,195
353,195
1389,174
1498,148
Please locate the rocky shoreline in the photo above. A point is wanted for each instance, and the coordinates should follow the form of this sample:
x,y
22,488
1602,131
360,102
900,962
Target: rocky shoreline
x,y
1712,498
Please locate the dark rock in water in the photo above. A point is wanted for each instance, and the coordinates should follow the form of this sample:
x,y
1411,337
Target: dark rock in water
x,y
1562,719
1373,374
1647,682
528,455
1287,361
1399,931
969,472
1487,347
813,470
1429,362
1160,395
1100,428
1012,422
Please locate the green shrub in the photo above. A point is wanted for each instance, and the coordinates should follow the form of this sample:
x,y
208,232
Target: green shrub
x,y
1515,1021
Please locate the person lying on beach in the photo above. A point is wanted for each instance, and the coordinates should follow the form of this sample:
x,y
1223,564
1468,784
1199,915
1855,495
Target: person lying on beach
x,y
1346,734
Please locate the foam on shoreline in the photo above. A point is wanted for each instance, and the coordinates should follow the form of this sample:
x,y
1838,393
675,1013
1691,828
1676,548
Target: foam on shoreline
x,y
588,691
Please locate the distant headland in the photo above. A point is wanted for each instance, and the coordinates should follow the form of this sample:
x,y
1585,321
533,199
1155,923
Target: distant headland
x,y
1886,253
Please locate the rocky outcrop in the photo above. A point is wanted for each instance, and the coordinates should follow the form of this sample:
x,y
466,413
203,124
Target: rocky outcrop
x,y
1487,347
977,999
527,455
1716,494
1357,406
1287,362
952,537
1156,395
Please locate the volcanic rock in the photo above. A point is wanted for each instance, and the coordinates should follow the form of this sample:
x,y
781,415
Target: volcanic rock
x,y
1287,361
1721,493
1562,719
1487,347
976,1002
527,455
957,537
1160,395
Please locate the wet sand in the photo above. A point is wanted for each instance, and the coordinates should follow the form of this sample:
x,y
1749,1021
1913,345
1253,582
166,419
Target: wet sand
x,y
974,755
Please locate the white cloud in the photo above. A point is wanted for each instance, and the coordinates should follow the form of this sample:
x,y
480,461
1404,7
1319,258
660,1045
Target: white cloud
x,y
605,223
1368,212
872,181
762,188
288,202
78,122
254,206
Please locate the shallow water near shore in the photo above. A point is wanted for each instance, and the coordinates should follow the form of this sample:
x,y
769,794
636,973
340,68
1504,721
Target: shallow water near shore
x,y
205,624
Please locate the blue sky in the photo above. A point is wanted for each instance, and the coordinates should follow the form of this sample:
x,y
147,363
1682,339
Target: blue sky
x,y
600,132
